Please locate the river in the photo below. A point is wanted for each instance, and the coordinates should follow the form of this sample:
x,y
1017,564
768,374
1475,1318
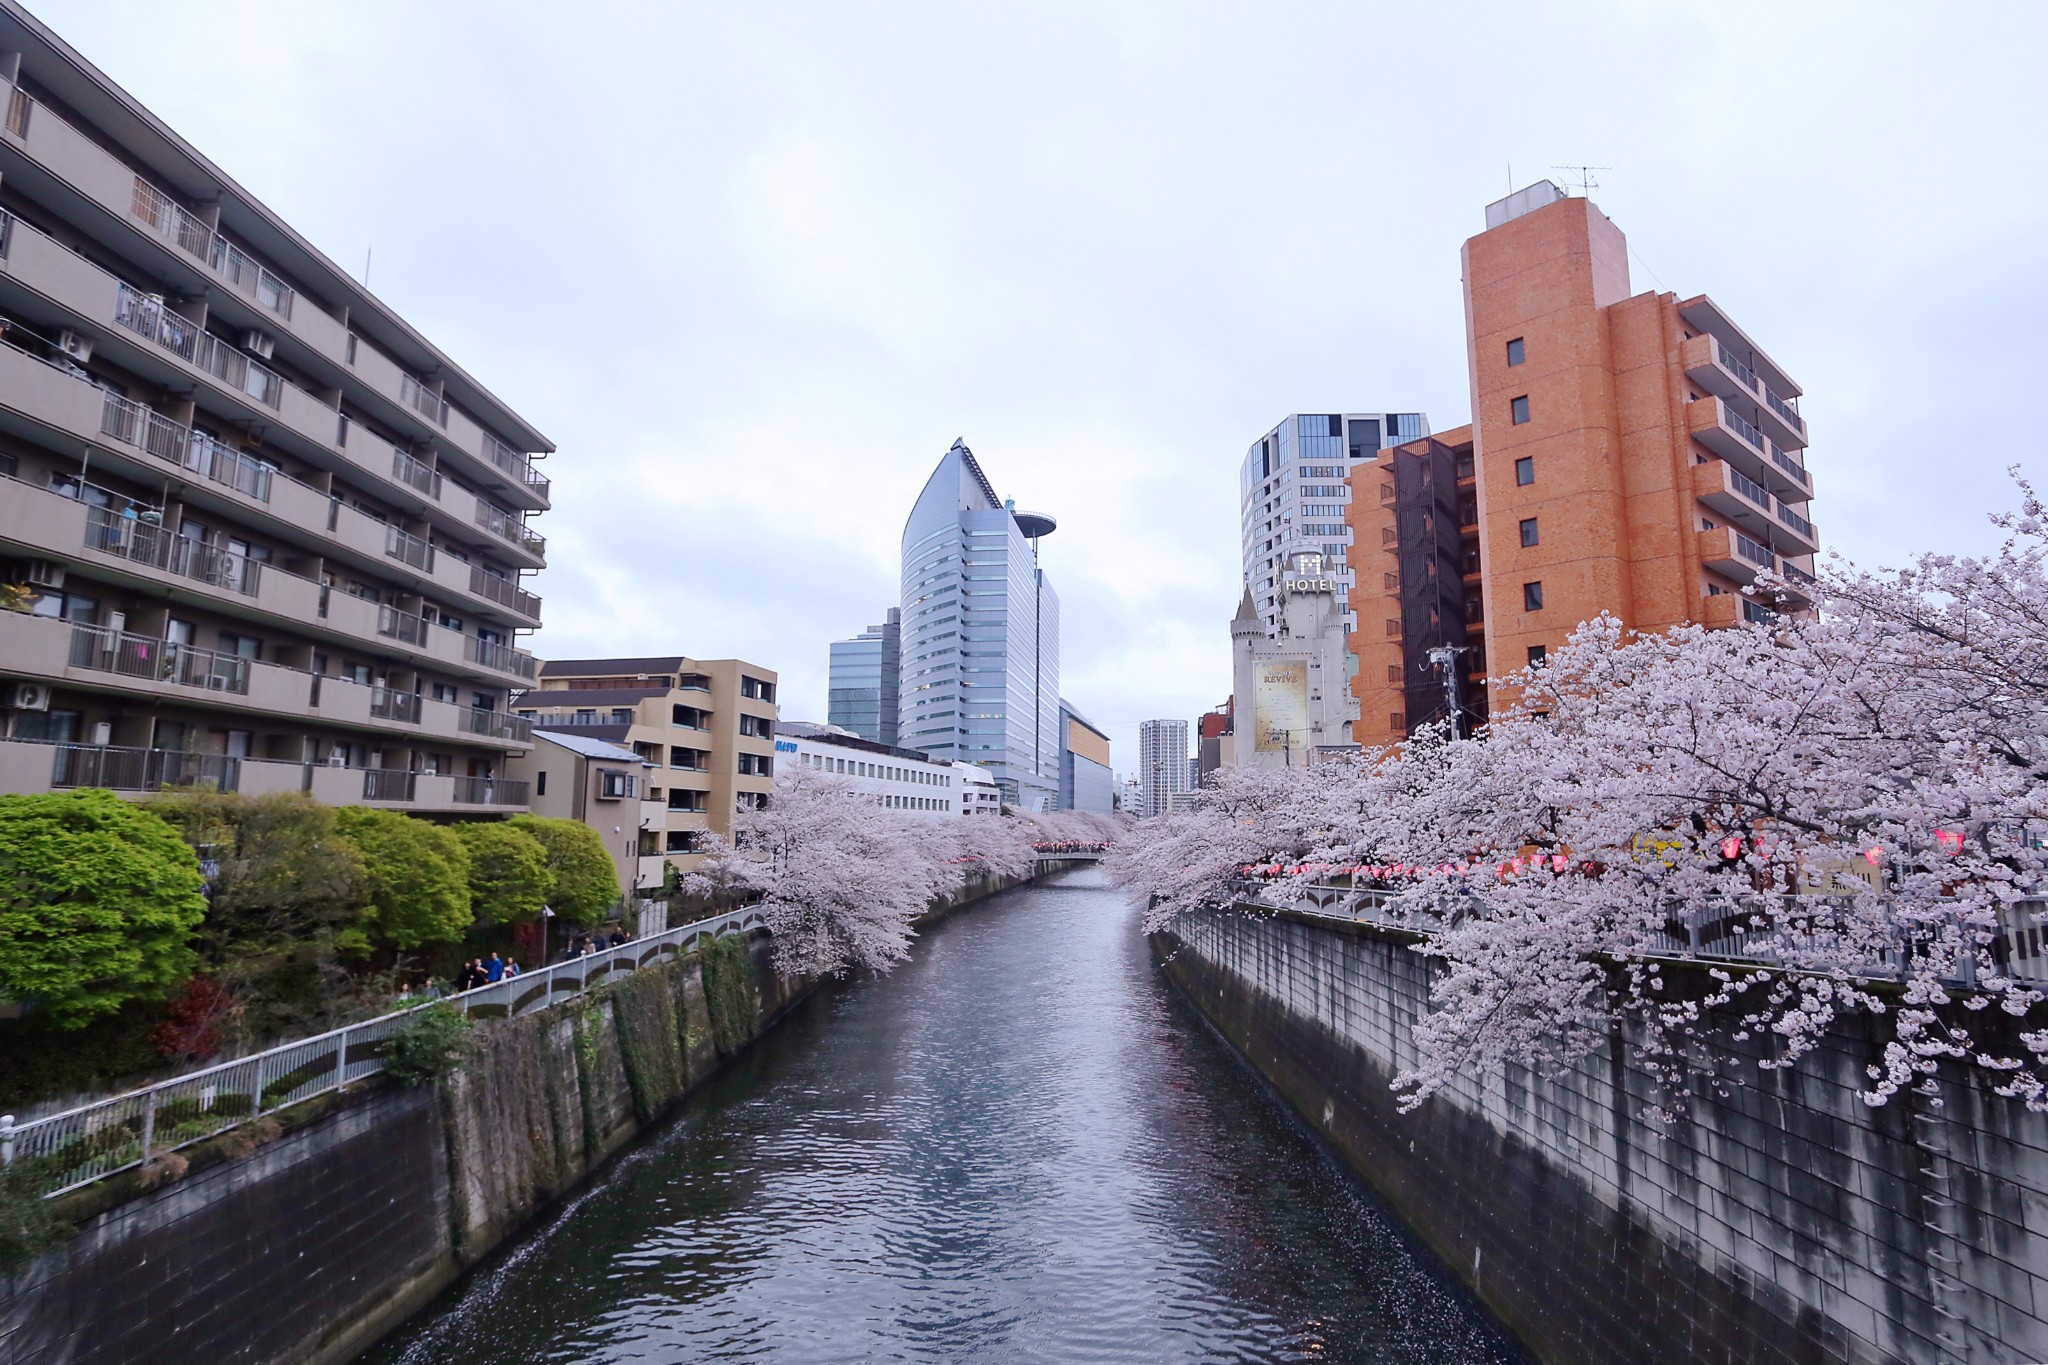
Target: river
x,y
1019,1146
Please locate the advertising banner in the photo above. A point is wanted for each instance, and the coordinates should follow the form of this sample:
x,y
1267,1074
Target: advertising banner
x,y
1280,704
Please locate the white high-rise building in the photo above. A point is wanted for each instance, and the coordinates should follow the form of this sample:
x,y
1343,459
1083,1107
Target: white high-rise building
x,y
1292,492
1162,764
980,672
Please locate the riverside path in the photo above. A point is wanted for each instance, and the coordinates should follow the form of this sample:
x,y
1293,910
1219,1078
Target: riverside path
x,y
1020,1146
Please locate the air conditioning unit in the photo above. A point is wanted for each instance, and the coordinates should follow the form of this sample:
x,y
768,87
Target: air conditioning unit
x,y
75,345
259,344
25,696
44,574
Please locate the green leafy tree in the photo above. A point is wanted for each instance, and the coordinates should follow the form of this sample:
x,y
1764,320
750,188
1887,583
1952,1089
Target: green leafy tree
x,y
583,885
418,878
285,878
509,876
99,899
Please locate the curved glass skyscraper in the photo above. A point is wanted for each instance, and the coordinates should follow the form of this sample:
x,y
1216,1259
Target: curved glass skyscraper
x,y
981,634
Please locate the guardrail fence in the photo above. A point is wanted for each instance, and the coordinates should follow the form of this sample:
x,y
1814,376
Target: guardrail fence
x,y
107,1136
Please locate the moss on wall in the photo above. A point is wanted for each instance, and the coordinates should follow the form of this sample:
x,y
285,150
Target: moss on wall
x,y
732,992
650,1041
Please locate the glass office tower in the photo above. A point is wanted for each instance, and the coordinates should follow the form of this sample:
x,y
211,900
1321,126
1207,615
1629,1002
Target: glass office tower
x,y
980,631
865,679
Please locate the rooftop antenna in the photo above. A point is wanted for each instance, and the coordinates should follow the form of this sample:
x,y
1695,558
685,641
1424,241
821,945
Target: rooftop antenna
x,y
1581,178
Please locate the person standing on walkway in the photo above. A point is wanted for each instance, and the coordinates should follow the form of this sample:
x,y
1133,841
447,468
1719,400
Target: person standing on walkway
x,y
494,970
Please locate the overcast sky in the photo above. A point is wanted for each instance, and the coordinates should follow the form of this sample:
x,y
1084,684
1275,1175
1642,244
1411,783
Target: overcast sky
x,y
753,267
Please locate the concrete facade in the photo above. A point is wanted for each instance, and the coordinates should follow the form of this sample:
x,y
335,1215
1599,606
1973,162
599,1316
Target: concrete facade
x,y
707,726
900,779
261,533
1086,780
605,786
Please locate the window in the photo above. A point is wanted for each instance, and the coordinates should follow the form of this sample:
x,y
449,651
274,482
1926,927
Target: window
x,y
1518,409
1537,654
540,779
1528,532
1397,721
1516,352
1525,471
1393,627
613,785
1706,523
1532,597
1394,673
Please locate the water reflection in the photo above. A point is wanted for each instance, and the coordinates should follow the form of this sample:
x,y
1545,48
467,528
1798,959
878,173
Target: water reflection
x,y
1019,1147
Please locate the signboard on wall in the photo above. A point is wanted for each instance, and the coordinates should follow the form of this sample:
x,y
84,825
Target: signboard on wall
x,y
1280,704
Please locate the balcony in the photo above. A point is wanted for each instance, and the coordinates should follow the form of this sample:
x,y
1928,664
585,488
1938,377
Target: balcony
x,y
510,462
481,720
423,400
1729,552
141,542
102,650
504,658
390,704
504,591
390,784
510,529
1736,439
141,770
414,475
407,548
402,626
490,791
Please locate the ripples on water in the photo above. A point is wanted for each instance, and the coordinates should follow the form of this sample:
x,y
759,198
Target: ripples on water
x,y
1017,1147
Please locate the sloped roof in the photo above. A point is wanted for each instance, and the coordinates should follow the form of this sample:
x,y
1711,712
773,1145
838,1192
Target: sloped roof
x,y
588,747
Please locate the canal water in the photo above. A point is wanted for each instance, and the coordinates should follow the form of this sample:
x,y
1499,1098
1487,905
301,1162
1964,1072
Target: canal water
x,y
1019,1146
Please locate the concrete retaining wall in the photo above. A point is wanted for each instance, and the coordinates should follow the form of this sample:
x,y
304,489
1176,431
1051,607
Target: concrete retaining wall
x,y
1784,1221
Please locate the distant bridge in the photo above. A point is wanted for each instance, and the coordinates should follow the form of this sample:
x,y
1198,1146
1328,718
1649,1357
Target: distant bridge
x,y
1070,853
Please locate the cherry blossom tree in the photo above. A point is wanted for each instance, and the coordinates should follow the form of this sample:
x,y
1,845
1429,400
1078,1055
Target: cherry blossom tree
x,y
1835,814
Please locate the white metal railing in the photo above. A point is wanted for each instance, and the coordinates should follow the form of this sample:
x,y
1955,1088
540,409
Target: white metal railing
x,y
504,591
408,548
243,271
106,650
237,371
133,424
169,219
415,475
100,1139
147,315
143,770
491,654
149,543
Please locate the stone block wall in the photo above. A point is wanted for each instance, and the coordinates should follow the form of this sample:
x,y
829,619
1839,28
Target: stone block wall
x,y
1783,1221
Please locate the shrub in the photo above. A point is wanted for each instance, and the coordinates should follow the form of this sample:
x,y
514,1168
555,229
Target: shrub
x,y
284,876
28,1227
508,872
583,884
99,899
429,1044
418,877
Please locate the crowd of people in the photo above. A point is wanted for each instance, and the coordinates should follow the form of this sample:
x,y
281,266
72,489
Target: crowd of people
x,y
482,971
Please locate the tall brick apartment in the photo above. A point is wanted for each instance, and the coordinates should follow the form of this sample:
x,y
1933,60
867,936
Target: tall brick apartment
x,y
1631,453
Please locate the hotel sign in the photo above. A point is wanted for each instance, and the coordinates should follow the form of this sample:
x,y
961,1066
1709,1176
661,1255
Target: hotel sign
x,y
1309,575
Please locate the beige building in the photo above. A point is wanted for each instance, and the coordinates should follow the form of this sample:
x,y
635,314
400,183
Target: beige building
x,y
603,785
256,530
707,726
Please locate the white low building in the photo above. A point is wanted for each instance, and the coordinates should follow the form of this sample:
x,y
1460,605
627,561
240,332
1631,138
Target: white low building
x,y
902,779
979,792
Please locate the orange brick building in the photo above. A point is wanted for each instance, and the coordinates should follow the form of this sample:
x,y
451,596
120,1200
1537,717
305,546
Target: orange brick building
x,y
1637,454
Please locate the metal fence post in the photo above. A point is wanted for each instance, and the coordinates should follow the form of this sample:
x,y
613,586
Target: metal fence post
x,y
148,1120
341,1057
6,1139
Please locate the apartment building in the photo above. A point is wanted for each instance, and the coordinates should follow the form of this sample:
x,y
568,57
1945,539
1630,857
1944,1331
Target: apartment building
x,y
603,785
1632,453
706,725
255,530
1293,491
898,779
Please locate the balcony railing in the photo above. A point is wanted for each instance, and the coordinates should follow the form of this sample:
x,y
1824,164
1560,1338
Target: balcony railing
x,y
148,543
401,625
226,465
423,400
517,465
1742,427
133,424
491,654
170,220
1795,521
237,371
141,656
387,703
1798,575
407,548
415,475
242,270
147,315
490,791
1743,373
389,784
508,527
1791,466
1785,411
482,720
141,770
18,106
1748,487
1759,555
504,591
567,718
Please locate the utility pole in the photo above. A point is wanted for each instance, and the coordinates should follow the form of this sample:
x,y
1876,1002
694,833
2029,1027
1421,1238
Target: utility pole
x,y
1444,658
